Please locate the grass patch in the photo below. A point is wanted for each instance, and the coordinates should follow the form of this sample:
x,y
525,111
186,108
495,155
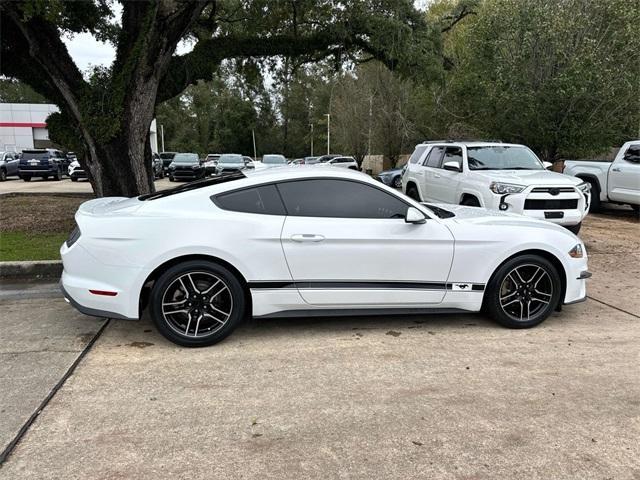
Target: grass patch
x,y
24,246
32,227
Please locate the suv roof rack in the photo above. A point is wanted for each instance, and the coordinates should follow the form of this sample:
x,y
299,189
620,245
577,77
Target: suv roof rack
x,y
463,140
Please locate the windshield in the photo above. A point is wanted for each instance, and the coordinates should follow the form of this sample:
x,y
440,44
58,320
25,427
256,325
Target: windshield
x,y
186,158
274,159
27,155
502,158
212,157
167,155
230,158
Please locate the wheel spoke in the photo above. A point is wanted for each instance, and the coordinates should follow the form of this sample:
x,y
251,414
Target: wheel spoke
x,y
528,309
186,330
542,293
515,282
544,274
195,289
221,322
520,276
204,292
521,310
219,311
534,275
536,299
502,299
511,302
213,297
195,332
176,311
169,304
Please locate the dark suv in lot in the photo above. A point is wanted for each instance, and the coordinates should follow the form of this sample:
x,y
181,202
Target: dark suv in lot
x,y
185,166
43,163
167,158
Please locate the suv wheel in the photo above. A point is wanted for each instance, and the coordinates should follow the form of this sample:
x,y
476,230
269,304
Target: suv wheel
x,y
470,202
197,303
3,174
523,292
26,179
397,182
58,175
412,192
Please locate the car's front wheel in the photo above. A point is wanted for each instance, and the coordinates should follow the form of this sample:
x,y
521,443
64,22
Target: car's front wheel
x,y
523,291
397,182
412,192
171,179
197,303
3,175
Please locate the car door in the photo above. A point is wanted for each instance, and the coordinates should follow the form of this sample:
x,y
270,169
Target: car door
x,y
624,177
347,244
444,183
429,168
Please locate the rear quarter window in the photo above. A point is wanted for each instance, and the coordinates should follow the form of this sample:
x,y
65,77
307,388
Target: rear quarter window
x,y
263,200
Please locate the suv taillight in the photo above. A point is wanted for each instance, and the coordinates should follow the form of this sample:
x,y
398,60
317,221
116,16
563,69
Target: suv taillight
x,y
73,236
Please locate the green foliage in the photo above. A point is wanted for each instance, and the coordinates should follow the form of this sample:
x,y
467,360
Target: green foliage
x,y
14,91
560,76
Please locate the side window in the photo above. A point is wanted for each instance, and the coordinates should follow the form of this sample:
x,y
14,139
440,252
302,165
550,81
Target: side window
x,y
434,159
632,154
453,154
417,153
264,199
339,199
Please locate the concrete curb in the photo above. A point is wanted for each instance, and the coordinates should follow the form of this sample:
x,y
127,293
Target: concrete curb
x,y
30,270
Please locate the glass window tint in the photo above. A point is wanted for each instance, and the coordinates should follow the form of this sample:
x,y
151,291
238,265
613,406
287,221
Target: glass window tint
x,y
417,153
453,154
633,154
264,200
339,199
435,157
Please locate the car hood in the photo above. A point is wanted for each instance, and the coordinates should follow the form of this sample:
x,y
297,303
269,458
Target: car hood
x,y
184,164
482,216
110,205
529,177
392,171
231,165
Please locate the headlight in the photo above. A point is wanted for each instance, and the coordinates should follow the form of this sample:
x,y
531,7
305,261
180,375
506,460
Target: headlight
x,y
502,188
584,187
576,252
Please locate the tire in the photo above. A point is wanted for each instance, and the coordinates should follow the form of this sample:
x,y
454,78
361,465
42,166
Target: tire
x,y
470,201
26,179
3,175
161,174
397,182
171,179
58,175
513,287
227,304
595,205
74,179
412,192
574,228
636,209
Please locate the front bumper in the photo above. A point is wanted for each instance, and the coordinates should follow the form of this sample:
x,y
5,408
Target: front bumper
x,y
545,206
78,173
187,174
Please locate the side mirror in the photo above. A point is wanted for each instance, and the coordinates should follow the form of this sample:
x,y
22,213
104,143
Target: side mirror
x,y
451,166
414,216
547,165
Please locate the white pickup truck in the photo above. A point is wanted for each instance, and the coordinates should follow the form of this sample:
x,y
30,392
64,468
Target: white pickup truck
x,y
498,176
616,182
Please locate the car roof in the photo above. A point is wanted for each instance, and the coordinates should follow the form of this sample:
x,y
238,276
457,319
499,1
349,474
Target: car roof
x,y
471,143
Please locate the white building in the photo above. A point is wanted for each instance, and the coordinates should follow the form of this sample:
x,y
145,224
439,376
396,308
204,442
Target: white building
x,y
24,126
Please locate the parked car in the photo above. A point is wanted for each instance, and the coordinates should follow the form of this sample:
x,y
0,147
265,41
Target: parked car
x,y
167,158
345,162
185,166
392,177
157,166
273,160
270,244
326,158
76,172
8,165
68,158
309,160
43,163
231,162
616,182
210,163
497,176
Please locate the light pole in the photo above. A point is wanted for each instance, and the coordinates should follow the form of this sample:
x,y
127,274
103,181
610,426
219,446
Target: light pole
x,y
162,136
328,115
253,136
311,125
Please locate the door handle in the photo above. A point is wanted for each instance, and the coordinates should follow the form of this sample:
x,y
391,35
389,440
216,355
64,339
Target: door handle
x,y
616,169
307,237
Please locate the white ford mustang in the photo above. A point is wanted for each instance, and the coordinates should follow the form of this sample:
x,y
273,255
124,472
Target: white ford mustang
x,y
314,241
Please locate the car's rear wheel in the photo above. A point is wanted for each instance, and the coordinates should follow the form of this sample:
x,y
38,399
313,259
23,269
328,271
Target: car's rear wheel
x,y
397,182
523,292
74,179
3,174
197,303
595,205
58,175
171,179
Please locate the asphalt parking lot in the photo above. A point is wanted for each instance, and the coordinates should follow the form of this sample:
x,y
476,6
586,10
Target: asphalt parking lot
x,y
446,396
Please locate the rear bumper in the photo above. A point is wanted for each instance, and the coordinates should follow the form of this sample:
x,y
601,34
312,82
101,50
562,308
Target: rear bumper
x,y
90,311
78,174
37,170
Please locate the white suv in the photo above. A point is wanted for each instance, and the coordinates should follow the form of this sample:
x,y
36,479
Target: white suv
x,y
494,175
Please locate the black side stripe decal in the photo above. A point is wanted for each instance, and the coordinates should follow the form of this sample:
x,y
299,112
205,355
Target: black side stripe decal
x,y
367,285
